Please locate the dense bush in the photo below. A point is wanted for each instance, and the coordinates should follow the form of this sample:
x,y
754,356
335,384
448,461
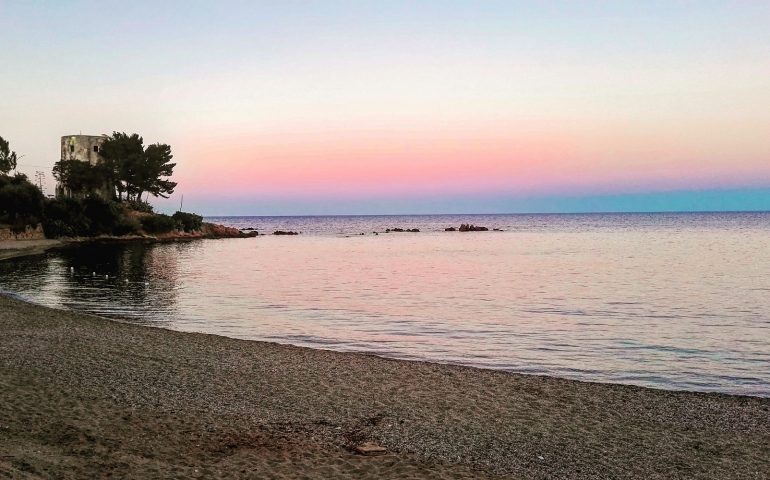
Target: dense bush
x,y
65,218
126,226
103,215
158,223
93,216
138,206
57,229
189,222
21,202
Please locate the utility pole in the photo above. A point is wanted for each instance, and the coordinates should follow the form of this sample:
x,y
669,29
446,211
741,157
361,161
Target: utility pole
x,y
40,178
181,203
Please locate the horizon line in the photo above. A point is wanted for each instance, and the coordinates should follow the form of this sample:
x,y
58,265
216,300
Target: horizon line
x,y
657,212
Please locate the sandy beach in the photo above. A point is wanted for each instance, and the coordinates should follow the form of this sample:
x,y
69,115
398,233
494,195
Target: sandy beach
x,y
14,248
86,397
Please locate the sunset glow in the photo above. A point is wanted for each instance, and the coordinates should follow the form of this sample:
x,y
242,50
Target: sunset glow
x,y
301,103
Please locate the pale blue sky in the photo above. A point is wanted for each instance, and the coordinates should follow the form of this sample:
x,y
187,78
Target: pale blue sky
x,y
539,106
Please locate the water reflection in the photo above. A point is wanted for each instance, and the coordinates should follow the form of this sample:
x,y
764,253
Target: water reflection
x,y
137,281
683,306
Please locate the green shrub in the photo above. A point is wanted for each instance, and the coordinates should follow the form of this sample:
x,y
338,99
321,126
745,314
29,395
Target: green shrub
x,y
69,217
103,215
158,223
126,226
21,202
189,222
57,228
65,217
139,206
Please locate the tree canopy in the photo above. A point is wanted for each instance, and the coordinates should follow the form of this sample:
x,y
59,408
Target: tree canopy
x,y
80,177
136,170
21,202
156,165
7,157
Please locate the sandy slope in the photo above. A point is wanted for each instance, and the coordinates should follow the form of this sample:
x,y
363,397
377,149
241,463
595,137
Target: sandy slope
x,y
84,397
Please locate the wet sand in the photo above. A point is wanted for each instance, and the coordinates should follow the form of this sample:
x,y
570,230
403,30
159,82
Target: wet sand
x,y
17,248
85,397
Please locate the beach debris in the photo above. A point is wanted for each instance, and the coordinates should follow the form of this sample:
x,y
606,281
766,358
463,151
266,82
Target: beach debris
x,y
93,274
540,457
72,269
466,227
281,232
370,449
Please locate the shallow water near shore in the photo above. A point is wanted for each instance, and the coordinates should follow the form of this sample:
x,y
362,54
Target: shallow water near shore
x,y
677,301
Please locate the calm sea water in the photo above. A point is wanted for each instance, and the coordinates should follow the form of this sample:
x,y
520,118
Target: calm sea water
x,y
678,301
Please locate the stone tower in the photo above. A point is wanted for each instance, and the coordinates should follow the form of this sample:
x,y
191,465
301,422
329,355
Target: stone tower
x,y
83,148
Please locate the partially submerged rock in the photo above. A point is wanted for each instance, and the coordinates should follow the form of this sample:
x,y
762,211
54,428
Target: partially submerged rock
x,y
412,230
466,227
281,232
212,230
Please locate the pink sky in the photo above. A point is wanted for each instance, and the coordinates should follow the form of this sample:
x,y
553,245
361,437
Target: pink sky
x,y
293,101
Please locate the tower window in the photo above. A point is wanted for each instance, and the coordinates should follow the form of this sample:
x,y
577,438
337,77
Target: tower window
x,y
72,148
96,148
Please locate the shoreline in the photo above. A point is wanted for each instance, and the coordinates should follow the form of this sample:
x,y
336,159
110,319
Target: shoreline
x,y
37,247
16,297
20,248
226,406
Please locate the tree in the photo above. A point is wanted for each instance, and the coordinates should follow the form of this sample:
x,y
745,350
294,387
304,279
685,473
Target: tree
x,y
7,158
134,169
156,165
21,202
80,177
122,155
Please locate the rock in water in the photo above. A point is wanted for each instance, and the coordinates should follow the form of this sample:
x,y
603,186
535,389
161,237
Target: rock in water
x,y
472,228
371,449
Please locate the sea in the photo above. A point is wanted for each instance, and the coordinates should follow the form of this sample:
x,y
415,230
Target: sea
x,y
677,301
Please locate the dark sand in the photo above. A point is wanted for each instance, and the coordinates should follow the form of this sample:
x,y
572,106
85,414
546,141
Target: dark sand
x,y
84,397
16,248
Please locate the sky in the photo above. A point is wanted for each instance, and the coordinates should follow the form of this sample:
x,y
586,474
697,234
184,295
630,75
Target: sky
x,y
367,107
